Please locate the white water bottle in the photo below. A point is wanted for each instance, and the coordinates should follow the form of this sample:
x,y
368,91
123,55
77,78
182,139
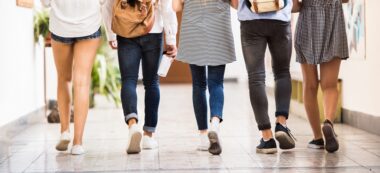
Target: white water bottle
x,y
165,64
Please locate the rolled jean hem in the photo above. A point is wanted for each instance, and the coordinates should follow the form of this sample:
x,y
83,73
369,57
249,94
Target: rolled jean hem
x,y
264,126
149,129
219,116
282,113
130,116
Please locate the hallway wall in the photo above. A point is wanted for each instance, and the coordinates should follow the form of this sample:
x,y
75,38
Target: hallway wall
x,y
21,66
361,82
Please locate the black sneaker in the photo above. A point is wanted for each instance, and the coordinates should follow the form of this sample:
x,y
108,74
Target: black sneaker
x,y
284,137
332,144
317,144
267,147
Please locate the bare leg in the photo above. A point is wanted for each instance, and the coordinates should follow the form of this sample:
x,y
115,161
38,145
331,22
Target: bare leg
x,y
329,84
63,57
84,55
310,91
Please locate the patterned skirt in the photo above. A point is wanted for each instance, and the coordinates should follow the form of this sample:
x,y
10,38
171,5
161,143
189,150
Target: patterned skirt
x,y
321,33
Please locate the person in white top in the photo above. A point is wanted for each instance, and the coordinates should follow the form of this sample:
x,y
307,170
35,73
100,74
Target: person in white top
x,y
75,30
148,49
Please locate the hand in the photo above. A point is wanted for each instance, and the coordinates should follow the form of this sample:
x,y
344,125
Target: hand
x,y
113,44
171,50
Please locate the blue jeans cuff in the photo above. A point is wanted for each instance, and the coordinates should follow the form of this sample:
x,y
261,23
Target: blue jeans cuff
x,y
130,116
149,129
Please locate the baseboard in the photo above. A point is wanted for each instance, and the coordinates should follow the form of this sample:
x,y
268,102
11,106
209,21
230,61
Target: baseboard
x,y
9,130
367,122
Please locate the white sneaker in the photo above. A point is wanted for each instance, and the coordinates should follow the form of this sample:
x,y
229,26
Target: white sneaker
x,y
77,150
134,140
148,143
213,136
204,143
64,141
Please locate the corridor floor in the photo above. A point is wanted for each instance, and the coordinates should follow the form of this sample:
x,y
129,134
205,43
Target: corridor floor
x,y
33,150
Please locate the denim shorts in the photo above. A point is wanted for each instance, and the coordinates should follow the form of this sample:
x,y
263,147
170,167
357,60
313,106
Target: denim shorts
x,y
71,40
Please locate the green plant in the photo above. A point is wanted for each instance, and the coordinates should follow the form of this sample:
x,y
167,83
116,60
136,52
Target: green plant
x,y
41,25
106,79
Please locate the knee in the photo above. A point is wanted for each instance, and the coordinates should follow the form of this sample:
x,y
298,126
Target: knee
x,y
310,87
151,83
256,78
200,85
215,83
82,80
329,85
65,77
281,73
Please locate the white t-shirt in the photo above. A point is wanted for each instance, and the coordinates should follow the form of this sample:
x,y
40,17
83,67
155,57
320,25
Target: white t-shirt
x,y
78,18
74,18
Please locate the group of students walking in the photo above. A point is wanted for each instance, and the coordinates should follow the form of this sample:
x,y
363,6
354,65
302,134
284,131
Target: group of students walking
x,y
206,44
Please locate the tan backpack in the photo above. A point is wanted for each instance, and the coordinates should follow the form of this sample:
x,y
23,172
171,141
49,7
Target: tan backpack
x,y
133,21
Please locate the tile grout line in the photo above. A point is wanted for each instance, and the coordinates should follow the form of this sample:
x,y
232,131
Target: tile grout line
x,y
34,160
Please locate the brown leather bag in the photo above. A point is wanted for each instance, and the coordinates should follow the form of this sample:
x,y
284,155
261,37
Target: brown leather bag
x,y
133,21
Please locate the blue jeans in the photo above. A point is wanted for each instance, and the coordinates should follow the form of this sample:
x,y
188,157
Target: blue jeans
x,y
213,77
147,49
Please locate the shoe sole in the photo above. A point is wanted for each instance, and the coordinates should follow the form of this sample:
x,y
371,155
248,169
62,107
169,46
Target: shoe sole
x,y
266,151
134,145
215,147
286,142
77,154
332,144
313,146
62,145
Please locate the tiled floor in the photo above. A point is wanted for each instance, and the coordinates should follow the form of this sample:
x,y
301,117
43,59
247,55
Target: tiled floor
x,y
105,141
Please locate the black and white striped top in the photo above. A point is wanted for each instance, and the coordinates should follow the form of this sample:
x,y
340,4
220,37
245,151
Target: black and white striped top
x,y
206,35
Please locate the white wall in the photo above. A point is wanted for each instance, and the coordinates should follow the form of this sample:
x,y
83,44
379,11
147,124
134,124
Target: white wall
x,y
236,69
21,67
361,81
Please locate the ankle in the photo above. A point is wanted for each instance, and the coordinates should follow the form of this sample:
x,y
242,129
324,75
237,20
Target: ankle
x,y
77,142
203,132
329,121
215,119
149,134
131,122
281,119
65,129
267,134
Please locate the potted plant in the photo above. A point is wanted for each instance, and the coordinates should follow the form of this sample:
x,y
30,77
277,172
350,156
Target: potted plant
x,y
41,27
106,79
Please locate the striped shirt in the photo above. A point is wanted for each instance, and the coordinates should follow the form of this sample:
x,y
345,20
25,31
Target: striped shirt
x,y
206,34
